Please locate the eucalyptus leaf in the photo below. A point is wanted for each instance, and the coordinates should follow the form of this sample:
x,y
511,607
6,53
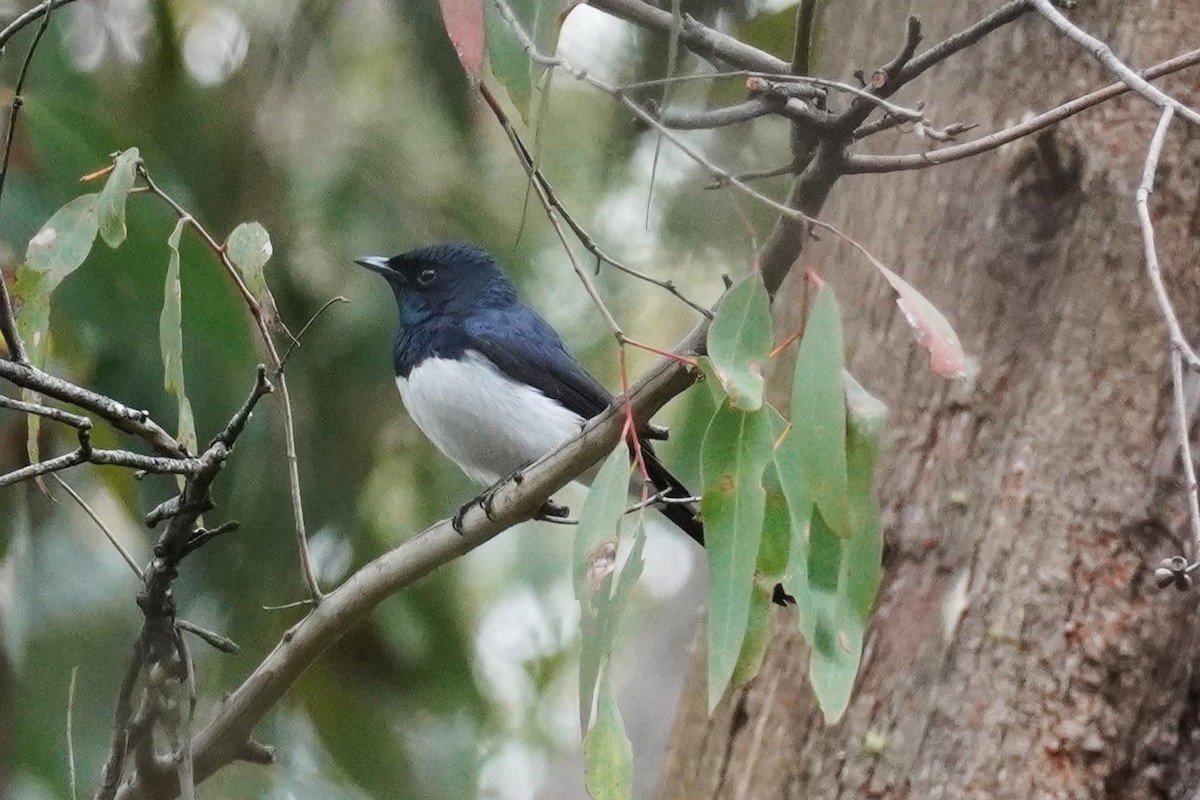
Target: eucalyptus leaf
x,y
595,562
736,449
739,341
249,248
170,339
607,753
111,203
819,411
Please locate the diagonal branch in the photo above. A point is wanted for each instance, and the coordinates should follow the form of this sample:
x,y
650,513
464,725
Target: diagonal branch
x,y
121,416
1104,54
862,164
700,39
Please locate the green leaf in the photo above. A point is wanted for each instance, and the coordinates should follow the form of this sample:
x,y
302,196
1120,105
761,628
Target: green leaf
x,y
249,248
508,60
736,449
111,203
170,339
739,341
595,562
819,411
834,579
55,251
607,753
769,571
64,241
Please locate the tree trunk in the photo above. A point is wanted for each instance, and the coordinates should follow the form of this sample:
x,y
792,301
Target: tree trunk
x,y
1020,647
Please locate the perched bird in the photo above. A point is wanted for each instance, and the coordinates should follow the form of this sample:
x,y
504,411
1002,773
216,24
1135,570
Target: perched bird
x,y
485,377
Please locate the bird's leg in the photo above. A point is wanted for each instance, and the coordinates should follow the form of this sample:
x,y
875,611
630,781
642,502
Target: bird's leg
x,y
553,512
485,500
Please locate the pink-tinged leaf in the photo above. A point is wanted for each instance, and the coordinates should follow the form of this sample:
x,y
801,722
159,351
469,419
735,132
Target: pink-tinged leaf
x,y
464,24
934,332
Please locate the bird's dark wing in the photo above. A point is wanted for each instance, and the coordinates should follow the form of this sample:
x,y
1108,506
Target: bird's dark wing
x,y
524,347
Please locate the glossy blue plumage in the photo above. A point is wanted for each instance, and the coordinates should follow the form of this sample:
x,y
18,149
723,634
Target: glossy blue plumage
x,y
459,315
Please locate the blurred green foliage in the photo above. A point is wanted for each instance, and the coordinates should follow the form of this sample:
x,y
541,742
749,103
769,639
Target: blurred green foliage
x,y
343,130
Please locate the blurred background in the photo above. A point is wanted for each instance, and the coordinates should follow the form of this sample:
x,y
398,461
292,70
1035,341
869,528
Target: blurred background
x,y
347,129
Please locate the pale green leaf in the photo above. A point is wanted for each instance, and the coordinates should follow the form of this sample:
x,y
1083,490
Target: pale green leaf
x,y
739,341
170,339
736,449
769,570
607,753
111,203
64,241
595,561
249,248
819,411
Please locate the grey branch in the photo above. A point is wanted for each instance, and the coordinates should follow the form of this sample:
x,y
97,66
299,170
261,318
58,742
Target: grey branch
x,y
700,39
121,416
860,164
1104,54
86,454
65,417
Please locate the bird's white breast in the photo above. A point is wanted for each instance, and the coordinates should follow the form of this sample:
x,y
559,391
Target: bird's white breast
x,y
482,420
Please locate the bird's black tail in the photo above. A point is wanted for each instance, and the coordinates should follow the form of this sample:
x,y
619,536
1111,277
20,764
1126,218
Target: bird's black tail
x,y
685,515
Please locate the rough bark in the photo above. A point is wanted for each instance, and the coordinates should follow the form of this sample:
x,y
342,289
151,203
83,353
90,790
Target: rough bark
x,y
1020,648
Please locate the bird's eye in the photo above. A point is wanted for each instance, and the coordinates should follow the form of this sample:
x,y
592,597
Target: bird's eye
x,y
426,277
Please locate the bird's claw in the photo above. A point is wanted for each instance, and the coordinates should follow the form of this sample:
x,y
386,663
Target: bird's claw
x,y
553,512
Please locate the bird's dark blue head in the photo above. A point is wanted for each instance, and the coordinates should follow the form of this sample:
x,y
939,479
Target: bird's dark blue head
x,y
448,279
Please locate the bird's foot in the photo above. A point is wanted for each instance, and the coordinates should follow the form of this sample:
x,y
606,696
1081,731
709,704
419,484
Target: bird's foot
x,y
552,512
486,501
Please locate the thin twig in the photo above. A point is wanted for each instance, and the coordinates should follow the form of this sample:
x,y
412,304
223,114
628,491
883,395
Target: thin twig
x,y
211,638
289,422
1104,54
863,164
58,415
121,416
113,540
589,243
113,458
114,765
71,731
8,325
296,339
184,764
1180,349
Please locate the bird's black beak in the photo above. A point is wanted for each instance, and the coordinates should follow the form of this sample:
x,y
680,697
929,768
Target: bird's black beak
x,y
375,264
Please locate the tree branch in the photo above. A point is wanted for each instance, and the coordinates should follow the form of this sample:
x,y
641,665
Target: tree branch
x,y
700,39
863,164
121,416
1104,54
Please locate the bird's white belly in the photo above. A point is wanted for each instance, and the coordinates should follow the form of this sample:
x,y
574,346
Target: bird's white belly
x,y
482,420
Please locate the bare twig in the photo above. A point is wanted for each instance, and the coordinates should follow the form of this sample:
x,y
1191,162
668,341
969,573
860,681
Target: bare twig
x,y
700,39
85,453
71,730
296,339
112,539
65,417
8,326
1104,54
289,422
589,244
110,776
121,416
860,164
1180,349
756,107
184,765
28,17
211,638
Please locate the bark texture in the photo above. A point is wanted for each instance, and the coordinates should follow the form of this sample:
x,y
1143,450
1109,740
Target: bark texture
x,y
1020,648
